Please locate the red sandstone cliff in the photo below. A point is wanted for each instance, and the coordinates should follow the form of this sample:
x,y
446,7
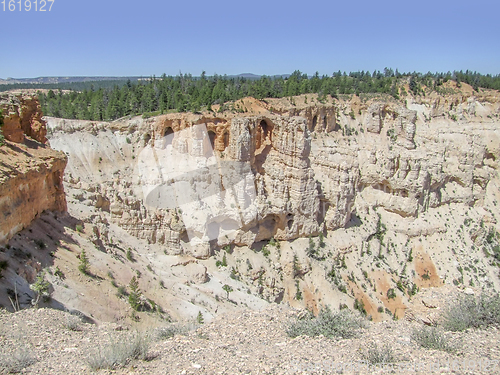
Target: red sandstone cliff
x,y
30,171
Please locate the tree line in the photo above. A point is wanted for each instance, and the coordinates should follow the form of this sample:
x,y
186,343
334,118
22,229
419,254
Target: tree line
x,y
184,92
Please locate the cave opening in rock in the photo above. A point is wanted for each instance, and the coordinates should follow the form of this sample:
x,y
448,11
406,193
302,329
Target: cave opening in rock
x,y
168,131
147,138
265,129
226,139
325,123
212,136
314,123
263,143
489,155
169,135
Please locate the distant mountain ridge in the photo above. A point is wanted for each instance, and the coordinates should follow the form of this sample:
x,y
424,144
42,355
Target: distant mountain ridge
x,y
56,80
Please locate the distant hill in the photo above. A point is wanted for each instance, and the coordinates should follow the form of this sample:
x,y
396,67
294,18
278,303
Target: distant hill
x,y
256,76
248,76
56,80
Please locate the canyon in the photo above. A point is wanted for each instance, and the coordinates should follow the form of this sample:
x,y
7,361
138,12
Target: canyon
x,y
305,201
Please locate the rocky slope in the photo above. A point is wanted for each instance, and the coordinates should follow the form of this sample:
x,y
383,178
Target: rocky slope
x,y
47,341
398,195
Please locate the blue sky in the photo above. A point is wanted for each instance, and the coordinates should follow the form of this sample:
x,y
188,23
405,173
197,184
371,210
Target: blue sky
x,y
123,38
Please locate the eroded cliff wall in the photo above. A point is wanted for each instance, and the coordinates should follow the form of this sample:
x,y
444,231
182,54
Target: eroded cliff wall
x,y
313,163
31,173
400,194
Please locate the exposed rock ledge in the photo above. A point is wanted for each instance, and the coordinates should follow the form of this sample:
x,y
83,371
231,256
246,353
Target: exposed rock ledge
x,y
30,171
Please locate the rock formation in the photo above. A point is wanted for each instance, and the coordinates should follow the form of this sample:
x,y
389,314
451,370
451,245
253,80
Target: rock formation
x,y
404,193
31,173
22,117
312,165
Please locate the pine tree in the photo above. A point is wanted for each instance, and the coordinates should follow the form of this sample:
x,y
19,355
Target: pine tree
x,y
321,240
40,287
311,251
83,267
134,298
199,318
227,289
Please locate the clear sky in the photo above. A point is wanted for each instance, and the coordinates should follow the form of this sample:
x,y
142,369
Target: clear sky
x,y
125,38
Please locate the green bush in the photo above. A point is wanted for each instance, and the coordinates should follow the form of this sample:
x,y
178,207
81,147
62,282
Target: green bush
x,y
472,312
341,324
83,267
360,306
130,255
228,289
391,294
41,287
298,293
431,338
199,318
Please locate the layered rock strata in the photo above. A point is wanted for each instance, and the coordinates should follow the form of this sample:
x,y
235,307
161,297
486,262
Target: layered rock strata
x,y
311,165
31,173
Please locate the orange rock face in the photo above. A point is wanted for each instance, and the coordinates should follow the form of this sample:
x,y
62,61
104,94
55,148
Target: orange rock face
x,y
30,172
22,117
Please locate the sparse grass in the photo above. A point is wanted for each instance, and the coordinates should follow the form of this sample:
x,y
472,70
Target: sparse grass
x,y
376,355
16,362
164,333
119,352
471,312
121,291
432,338
72,323
340,324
